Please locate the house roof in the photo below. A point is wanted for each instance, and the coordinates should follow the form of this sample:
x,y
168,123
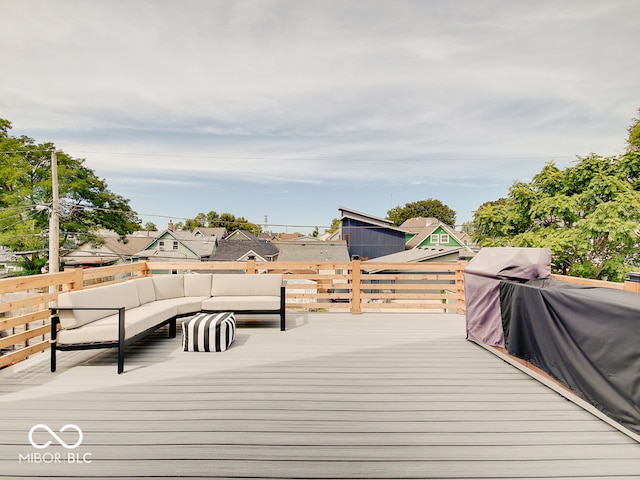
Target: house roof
x,y
370,219
365,217
313,251
241,243
201,247
112,250
218,232
423,227
417,224
421,254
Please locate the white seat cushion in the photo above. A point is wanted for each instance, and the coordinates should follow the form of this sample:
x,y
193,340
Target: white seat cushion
x,y
238,303
137,320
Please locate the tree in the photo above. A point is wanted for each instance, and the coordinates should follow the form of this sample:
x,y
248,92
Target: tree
x,y
225,220
587,215
633,140
335,224
86,204
429,208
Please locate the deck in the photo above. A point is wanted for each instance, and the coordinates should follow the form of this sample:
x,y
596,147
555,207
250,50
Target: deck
x,y
378,395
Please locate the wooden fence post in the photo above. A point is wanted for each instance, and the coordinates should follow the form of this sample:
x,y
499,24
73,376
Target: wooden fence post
x,y
461,305
356,286
251,265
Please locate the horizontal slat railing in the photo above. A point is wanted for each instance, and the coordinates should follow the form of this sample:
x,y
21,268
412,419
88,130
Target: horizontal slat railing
x,y
354,287
313,286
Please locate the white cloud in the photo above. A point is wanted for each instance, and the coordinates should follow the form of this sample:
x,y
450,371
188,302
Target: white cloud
x,y
391,92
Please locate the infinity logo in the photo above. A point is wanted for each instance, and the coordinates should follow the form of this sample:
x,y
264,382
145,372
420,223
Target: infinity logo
x,y
56,437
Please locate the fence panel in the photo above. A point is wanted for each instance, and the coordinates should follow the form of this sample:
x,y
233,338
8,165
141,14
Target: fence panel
x,y
311,286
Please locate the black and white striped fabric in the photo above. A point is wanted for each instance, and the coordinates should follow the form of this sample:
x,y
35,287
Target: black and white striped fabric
x,y
209,332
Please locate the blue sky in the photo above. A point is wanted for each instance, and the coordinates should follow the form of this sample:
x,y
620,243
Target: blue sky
x,y
291,109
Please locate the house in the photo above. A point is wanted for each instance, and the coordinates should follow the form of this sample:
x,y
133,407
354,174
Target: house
x,y
368,236
110,249
431,232
9,262
240,245
172,245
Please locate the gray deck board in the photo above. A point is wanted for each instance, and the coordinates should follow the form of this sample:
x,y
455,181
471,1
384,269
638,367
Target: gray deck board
x,y
335,396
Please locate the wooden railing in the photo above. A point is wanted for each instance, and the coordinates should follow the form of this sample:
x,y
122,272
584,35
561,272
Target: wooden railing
x,y
354,287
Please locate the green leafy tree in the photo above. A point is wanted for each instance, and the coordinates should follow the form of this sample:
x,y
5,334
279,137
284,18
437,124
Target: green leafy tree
x,y
225,220
86,203
633,140
429,208
335,224
587,215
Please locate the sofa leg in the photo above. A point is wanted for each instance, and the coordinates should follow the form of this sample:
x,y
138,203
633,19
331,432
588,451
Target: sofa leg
x,y
283,323
53,357
120,359
172,328
55,320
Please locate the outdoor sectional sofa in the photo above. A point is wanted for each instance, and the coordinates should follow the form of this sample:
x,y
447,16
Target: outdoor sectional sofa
x,y
117,315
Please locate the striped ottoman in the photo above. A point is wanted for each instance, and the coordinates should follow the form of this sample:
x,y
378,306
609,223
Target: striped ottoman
x,y
209,332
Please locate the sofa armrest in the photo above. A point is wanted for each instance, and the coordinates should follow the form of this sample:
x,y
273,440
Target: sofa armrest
x,y
55,320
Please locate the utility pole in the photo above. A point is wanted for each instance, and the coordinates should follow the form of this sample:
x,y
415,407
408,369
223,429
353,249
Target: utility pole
x,y
54,218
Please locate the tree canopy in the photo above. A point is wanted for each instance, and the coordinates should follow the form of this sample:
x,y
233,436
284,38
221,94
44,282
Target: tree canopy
x,y
215,220
86,203
587,214
633,140
429,208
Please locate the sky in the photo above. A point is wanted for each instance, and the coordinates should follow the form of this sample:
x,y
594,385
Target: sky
x,y
282,111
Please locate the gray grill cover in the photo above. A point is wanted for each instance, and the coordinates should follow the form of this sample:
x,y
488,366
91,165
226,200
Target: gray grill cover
x,y
482,286
587,338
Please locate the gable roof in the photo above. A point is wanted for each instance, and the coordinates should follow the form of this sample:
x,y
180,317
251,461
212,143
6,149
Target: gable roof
x,y
239,244
417,224
313,251
218,232
111,251
200,247
422,228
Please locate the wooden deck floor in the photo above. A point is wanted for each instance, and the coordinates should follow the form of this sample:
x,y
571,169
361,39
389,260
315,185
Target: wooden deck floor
x,y
335,396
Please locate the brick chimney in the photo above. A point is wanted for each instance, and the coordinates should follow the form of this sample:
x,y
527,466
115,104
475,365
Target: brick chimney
x,y
170,226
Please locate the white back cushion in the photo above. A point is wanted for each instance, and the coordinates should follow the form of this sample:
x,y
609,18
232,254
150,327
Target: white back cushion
x,y
168,286
224,284
197,285
118,295
146,292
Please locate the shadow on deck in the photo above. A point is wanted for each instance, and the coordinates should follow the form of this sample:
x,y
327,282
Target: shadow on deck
x,y
335,396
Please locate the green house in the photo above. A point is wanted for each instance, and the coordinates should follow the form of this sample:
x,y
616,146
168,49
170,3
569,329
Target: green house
x,y
431,232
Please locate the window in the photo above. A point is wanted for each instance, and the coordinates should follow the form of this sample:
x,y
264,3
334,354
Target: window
x,y
161,245
435,239
444,238
175,245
